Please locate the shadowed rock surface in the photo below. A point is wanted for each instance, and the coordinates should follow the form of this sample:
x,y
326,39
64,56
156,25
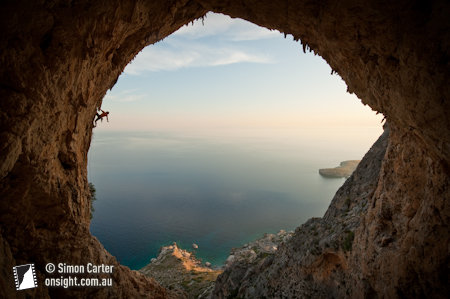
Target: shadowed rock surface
x,y
60,57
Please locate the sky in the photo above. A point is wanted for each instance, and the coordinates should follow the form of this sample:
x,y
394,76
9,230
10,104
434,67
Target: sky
x,y
226,73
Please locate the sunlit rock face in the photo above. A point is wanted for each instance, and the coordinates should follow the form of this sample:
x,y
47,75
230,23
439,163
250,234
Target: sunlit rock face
x,y
59,58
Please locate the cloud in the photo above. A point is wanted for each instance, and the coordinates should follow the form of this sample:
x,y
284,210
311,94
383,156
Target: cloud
x,y
216,43
231,57
124,96
213,24
252,33
229,28
174,55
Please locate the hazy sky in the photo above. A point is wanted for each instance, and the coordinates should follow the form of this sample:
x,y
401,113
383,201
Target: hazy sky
x,y
230,74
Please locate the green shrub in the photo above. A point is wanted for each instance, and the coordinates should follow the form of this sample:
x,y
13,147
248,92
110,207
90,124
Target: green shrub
x,y
348,241
92,196
348,202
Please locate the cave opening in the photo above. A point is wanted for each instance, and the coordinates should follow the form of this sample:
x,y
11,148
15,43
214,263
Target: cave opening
x,y
229,154
59,58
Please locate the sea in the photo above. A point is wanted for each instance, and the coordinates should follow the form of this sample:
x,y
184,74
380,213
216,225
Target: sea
x,y
218,189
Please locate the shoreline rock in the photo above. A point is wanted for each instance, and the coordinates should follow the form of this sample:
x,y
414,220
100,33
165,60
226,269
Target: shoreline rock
x,y
180,271
257,250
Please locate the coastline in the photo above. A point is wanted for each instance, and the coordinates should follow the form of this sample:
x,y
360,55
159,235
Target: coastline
x,y
188,276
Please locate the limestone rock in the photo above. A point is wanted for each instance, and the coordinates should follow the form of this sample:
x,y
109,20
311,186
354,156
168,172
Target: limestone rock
x,y
179,270
60,57
313,259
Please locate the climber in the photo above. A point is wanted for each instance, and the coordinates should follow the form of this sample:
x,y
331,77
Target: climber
x,y
100,117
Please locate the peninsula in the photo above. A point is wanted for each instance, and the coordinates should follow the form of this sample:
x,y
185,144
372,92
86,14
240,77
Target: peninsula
x,y
344,170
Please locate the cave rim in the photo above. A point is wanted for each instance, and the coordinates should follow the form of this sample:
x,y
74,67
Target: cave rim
x,y
307,50
286,39
424,137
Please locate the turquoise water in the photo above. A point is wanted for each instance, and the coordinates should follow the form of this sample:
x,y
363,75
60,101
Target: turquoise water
x,y
216,190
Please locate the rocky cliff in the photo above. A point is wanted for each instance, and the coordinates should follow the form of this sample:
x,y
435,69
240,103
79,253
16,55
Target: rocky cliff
x,y
179,270
60,57
313,262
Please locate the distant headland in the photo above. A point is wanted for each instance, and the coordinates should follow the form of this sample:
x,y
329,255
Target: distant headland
x,y
344,170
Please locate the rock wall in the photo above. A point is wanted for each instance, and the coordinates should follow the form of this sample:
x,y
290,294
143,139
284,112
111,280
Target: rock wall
x,y
402,246
315,261
60,57
373,241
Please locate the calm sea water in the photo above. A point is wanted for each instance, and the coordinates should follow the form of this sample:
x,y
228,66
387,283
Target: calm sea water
x,y
218,190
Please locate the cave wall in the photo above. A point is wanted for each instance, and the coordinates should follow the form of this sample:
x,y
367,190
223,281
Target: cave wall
x,y
314,261
401,248
60,57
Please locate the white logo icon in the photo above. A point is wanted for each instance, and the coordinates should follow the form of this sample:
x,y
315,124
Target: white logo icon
x,y
25,277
